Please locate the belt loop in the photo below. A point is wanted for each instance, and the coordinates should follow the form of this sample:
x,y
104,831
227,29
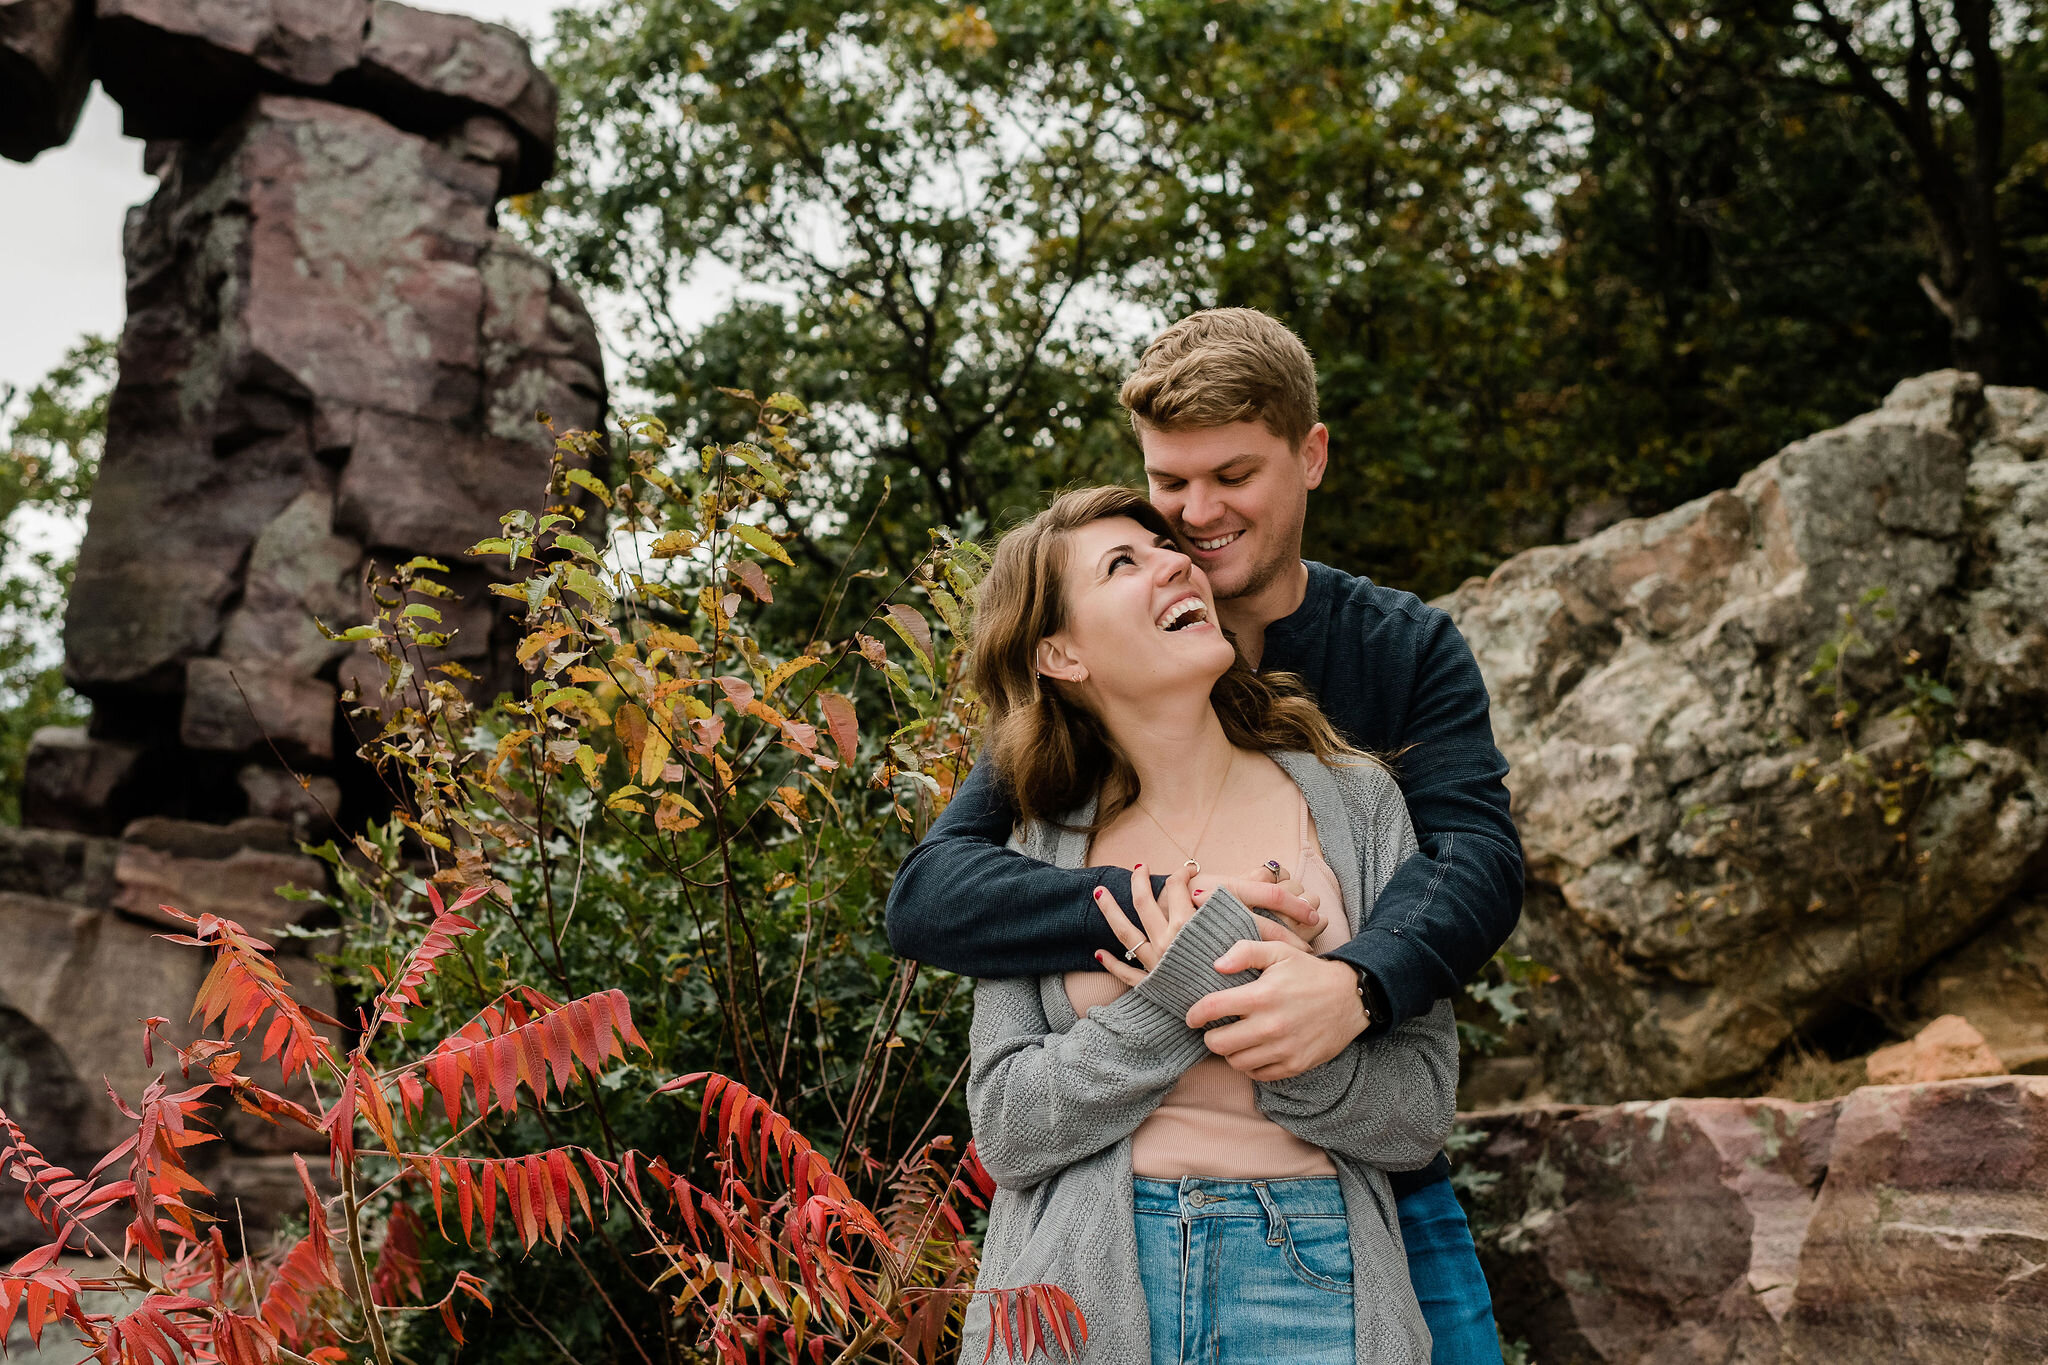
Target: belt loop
x,y
1276,1222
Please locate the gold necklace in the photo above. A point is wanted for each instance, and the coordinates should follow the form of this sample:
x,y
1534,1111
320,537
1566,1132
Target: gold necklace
x,y
1203,833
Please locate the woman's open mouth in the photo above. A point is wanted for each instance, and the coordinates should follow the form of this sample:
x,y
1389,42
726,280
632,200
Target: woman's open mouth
x,y
1189,611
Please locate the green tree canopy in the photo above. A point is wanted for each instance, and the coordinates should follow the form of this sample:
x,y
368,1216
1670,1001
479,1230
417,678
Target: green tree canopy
x,y
1564,258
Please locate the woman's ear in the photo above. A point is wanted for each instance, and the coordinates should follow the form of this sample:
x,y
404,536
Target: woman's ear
x,y
1054,660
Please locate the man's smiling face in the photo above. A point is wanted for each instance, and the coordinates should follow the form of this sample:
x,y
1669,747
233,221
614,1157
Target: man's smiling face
x,y
1239,494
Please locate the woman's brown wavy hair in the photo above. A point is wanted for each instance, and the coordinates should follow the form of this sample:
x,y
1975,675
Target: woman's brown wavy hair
x,y
1049,750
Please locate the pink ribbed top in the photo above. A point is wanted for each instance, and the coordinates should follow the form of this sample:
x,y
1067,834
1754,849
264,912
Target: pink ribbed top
x,y
1209,1124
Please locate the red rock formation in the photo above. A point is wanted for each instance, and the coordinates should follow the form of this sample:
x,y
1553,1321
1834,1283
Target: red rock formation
x,y
1903,1223
1946,1050
333,359
45,71
187,68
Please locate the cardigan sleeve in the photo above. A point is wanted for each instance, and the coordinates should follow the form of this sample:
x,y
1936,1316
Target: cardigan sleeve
x,y
1041,1100
1388,1099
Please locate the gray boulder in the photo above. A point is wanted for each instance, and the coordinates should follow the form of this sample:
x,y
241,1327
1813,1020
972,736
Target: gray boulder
x,y
1775,750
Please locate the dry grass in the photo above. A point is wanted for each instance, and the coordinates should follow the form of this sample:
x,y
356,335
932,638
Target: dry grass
x,y
1802,1075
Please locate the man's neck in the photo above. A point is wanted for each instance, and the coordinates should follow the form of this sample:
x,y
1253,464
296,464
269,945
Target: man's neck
x,y
1247,617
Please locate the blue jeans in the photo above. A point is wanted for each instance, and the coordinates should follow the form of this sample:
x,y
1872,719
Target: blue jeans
x,y
1245,1270
1260,1270
1445,1271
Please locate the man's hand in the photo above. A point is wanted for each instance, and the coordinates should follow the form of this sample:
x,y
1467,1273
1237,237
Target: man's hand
x,y
1301,1012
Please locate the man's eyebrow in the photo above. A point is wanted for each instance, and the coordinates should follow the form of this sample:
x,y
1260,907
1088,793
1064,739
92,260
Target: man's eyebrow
x,y
1251,458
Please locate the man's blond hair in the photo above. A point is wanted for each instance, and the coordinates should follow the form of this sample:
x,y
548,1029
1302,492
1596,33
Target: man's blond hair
x,y
1220,366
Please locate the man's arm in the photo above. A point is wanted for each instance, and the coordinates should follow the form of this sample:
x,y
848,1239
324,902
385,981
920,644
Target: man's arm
x,y
966,903
1451,905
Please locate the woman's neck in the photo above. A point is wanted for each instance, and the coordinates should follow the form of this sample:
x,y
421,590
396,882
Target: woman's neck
x,y
1178,750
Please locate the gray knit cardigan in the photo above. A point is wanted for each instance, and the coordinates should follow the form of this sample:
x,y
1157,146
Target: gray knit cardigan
x,y
1054,1100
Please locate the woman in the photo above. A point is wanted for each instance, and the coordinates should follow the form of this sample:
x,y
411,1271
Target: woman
x,y
1193,1214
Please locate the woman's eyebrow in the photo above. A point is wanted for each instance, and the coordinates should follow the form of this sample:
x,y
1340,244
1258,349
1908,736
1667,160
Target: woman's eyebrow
x,y
1102,564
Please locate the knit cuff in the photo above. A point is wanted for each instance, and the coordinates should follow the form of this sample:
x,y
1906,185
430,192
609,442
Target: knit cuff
x,y
1160,1034
1187,972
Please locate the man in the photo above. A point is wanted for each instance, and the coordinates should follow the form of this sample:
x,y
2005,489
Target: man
x,y
1224,406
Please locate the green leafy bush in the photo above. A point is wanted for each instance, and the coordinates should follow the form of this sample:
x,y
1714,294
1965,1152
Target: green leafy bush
x,y
695,804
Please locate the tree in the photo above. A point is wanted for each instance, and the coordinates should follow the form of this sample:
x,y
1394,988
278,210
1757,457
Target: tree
x,y
1558,263
1933,72
927,198
917,229
52,435
1735,266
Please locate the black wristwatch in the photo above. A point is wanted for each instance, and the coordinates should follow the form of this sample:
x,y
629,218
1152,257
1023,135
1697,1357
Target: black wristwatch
x,y
1370,994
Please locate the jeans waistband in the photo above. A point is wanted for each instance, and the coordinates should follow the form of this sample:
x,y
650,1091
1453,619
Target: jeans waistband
x,y
1197,1196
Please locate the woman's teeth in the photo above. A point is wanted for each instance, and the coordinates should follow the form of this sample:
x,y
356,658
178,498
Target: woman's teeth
x,y
1218,543
1187,611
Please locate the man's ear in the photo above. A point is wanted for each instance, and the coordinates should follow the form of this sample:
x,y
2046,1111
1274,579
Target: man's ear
x,y
1315,454
1054,660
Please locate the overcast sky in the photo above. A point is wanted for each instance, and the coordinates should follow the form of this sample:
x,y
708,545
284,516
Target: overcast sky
x,y
61,215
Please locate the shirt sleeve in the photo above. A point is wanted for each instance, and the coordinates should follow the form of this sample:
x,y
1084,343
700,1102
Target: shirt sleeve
x,y
1453,903
965,902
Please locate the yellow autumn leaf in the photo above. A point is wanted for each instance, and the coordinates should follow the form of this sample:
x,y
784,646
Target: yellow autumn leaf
x,y
763,542
669,814
654,755
784,672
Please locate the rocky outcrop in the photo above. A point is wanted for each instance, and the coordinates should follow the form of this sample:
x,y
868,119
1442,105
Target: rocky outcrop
x,y
185,69
45,71
333,360
331,356
1903,1223
1776,750
84,967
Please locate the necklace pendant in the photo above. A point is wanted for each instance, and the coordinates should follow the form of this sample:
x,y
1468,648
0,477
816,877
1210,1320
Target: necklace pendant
x,y
1191,863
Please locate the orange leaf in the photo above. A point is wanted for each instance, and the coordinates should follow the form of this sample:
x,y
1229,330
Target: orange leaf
x,y
488,1199
841,724
630,724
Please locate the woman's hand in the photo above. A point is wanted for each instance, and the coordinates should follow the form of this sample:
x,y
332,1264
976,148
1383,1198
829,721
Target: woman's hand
x,y
1159,919
1280,893
1301,906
